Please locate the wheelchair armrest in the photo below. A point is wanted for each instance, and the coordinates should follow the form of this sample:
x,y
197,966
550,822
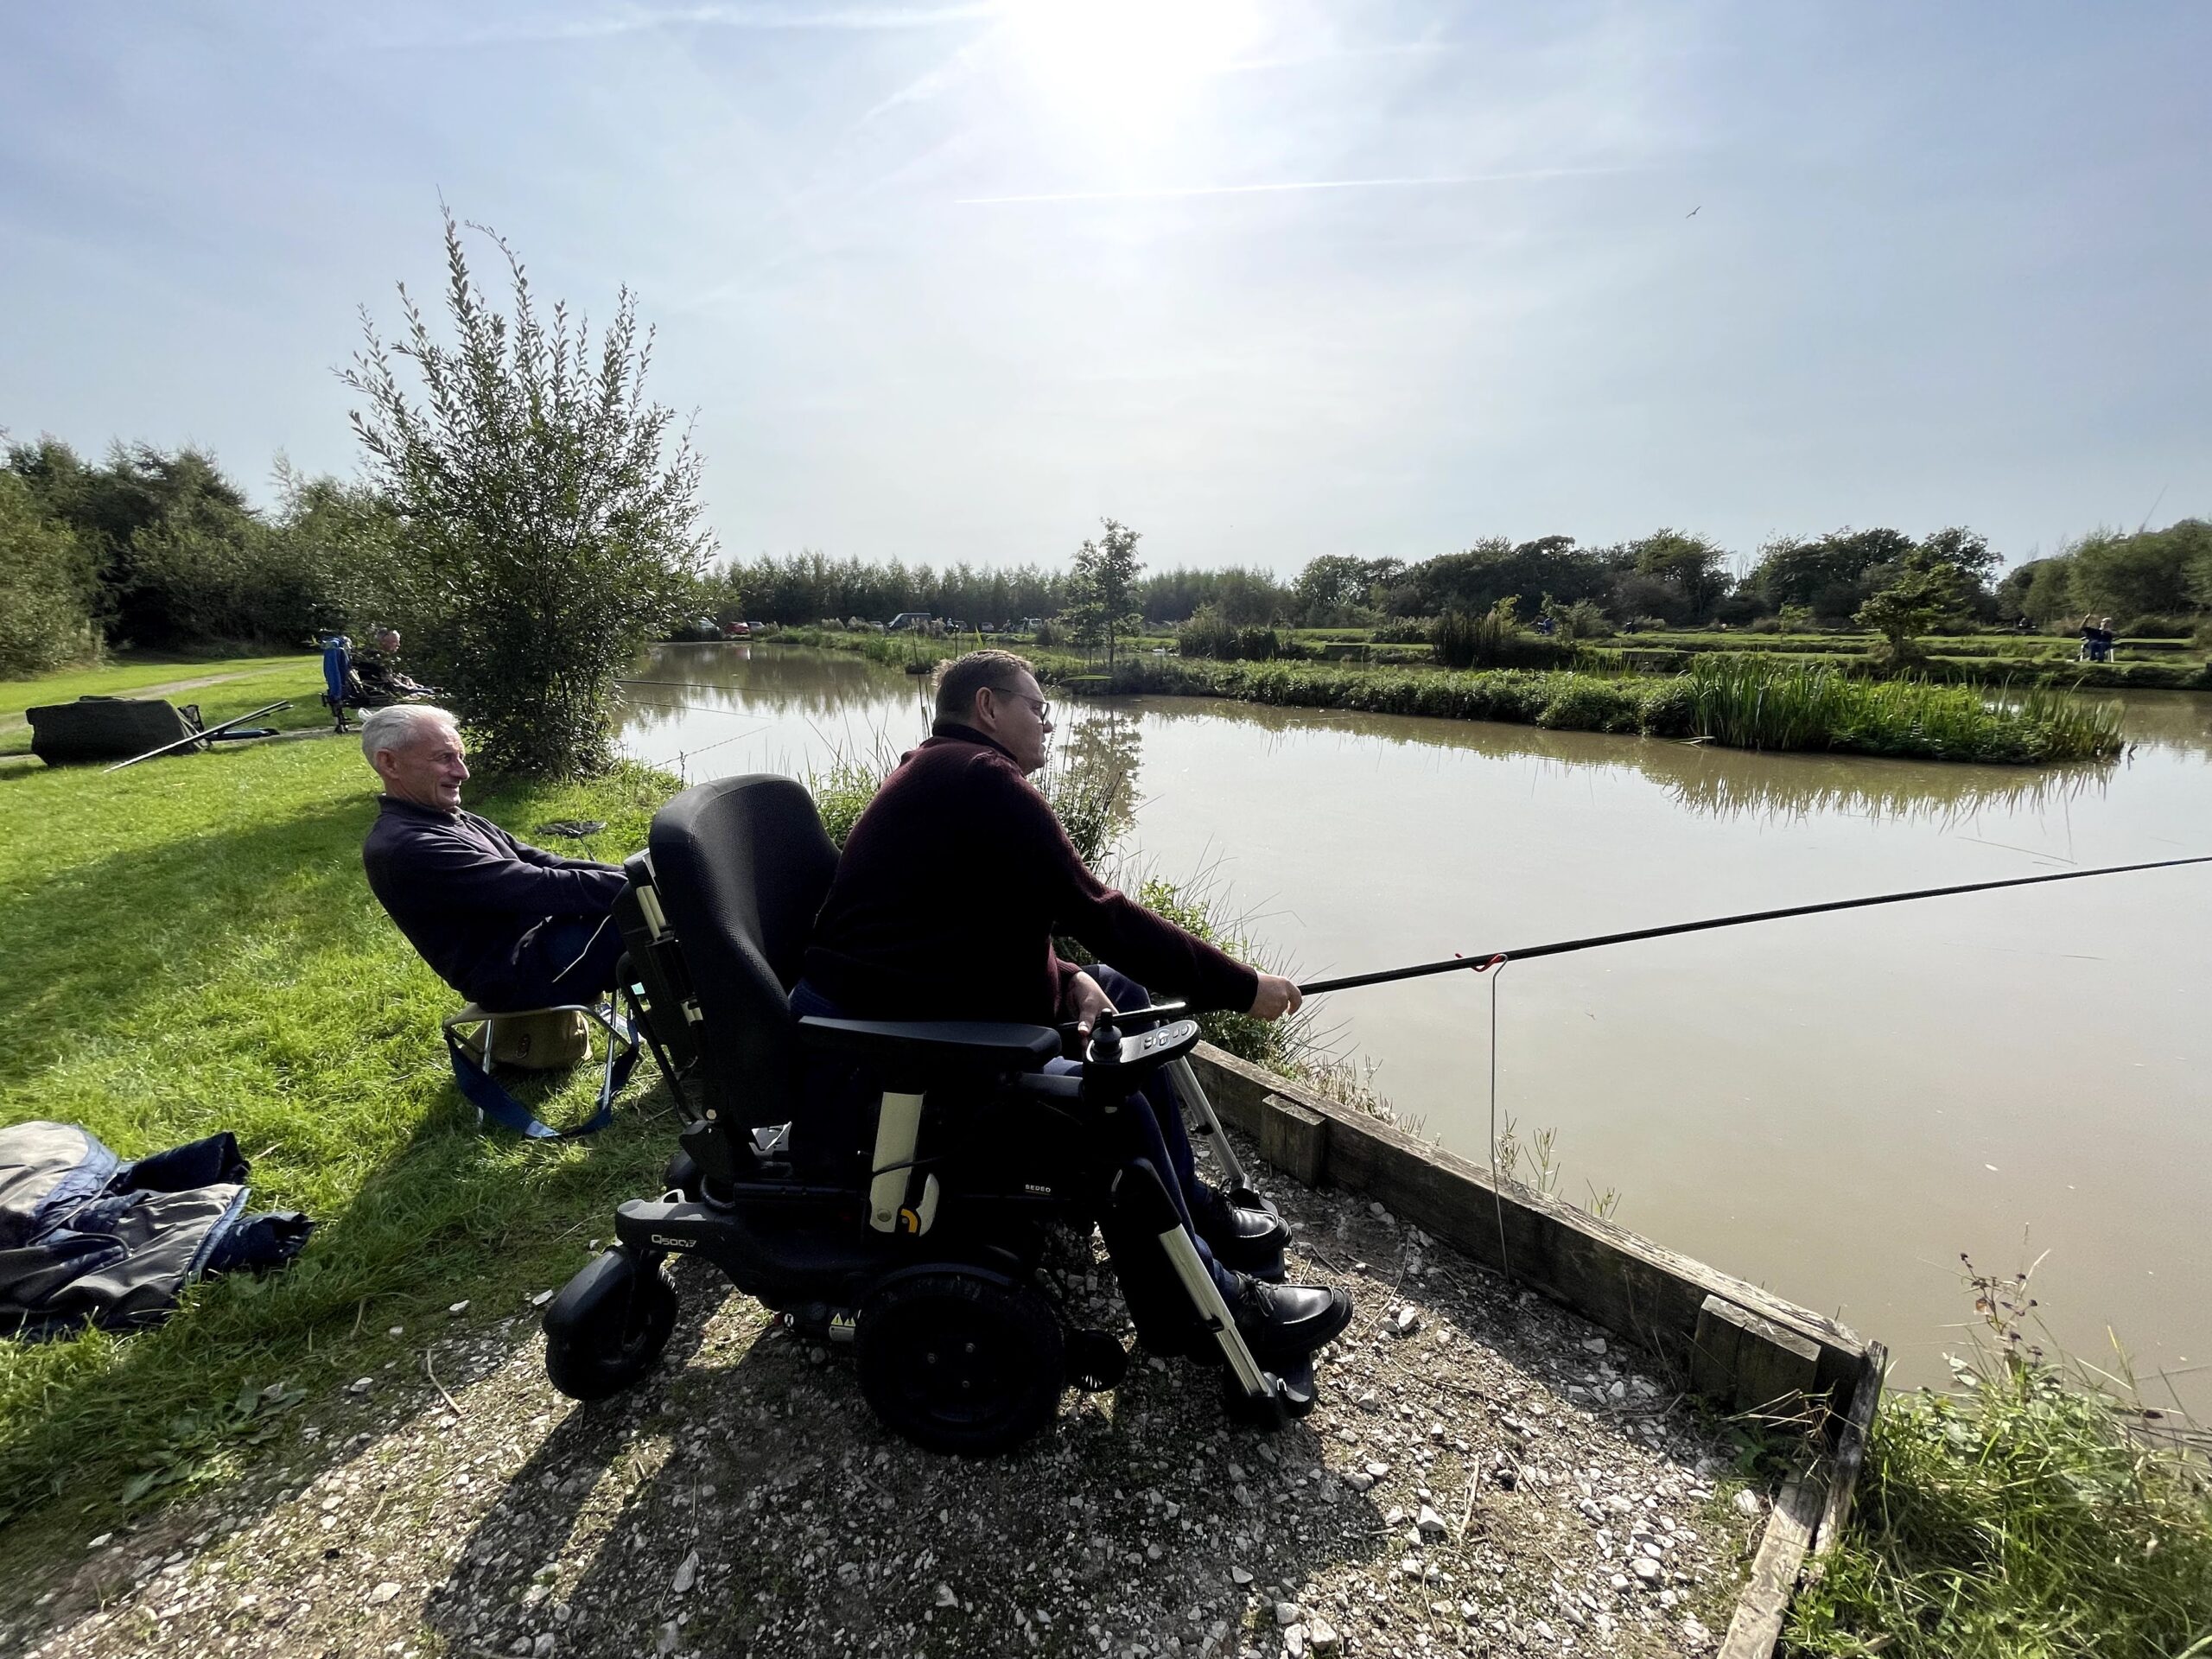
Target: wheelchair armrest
x,y
928,1047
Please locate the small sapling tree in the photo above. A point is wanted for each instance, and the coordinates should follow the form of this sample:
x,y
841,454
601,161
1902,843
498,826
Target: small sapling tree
x,y
543,533
1929,591
1101,597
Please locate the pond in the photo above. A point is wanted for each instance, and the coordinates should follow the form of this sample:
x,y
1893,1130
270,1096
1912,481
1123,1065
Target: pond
x,y
1834,1107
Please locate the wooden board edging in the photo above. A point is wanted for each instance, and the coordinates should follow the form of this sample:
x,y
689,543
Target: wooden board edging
x,y
1760,1610
1618,1280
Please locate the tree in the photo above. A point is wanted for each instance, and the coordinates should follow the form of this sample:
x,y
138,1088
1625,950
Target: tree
x,y
1330,586
1102,600
1696,570
1929,591
541,539
45,586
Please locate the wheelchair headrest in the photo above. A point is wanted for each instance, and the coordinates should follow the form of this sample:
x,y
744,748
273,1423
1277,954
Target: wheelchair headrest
x,y
743,865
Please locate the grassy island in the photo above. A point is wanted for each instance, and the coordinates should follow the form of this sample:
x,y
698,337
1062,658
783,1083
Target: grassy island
x,y
1740,702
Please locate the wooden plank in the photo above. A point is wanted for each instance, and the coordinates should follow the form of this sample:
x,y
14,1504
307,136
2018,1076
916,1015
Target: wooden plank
x,y
1857,1424
1618,1280
1765,1601
1749,1363
1294,1139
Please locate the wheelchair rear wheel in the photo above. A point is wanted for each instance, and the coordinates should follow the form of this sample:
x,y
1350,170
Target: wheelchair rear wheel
x,y
607,1328
959,1362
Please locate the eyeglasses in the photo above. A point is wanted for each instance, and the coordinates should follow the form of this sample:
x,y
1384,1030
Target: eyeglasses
x,y
1043,706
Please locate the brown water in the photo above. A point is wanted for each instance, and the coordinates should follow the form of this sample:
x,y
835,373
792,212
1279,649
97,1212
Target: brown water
x,y
1835,1107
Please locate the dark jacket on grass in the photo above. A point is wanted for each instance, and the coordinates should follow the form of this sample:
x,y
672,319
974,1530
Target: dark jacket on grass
x,y
474,901
952,886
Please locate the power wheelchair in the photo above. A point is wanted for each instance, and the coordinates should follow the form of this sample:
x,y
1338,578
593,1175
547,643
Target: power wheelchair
x,y
917,1239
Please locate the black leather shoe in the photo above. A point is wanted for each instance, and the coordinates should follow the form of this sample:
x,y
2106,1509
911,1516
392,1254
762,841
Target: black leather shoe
x,y
1281,1321
1243,1241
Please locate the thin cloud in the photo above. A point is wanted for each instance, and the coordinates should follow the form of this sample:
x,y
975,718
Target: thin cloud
x,y
633,20
1186,192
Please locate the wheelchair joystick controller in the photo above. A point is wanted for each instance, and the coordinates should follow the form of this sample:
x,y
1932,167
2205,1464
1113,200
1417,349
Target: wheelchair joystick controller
x,y
1105,1041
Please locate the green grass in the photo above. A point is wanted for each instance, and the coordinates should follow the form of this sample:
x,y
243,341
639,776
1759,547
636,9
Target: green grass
x,y
248,683
192,948
2024,1516
1747,703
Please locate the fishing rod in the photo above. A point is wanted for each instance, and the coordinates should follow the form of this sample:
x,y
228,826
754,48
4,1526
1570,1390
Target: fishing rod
x,y
1480,960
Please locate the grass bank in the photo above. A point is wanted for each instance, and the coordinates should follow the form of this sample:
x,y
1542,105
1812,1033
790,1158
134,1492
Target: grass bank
x,y
1742,702
233,686
192,948
2035,1509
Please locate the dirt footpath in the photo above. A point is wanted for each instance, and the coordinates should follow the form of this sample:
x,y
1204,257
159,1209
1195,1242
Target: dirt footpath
x,y
1484,1474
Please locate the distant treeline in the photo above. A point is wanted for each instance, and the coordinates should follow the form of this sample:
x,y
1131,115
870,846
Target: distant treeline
x,y
2162,579
159,547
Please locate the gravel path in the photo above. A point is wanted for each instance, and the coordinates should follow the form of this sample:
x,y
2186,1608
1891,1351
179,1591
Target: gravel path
x,y
1498,1479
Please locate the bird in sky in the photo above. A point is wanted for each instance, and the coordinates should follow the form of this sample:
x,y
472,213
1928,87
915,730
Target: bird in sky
x,y
1695,211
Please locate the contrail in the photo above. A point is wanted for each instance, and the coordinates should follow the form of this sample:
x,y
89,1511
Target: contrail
x,y
1185,192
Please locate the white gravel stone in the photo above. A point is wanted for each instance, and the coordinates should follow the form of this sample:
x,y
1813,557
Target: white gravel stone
x,y
1646,1569
1321,1636
384,1593
686,1575
1430,1522
1286,1614
1747,1503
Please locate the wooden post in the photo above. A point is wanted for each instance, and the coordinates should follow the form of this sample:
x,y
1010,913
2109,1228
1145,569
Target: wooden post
x,y
1294,1139
1747,1362
1850,1454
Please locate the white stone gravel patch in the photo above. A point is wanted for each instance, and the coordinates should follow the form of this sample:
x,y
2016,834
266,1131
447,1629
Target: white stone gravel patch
x,y
1491,1477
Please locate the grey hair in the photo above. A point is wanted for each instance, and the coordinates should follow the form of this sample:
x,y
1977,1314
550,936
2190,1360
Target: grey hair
x,y
395,728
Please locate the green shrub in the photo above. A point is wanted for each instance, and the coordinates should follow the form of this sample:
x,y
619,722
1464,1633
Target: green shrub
x,y
543,539
44,576
1205,634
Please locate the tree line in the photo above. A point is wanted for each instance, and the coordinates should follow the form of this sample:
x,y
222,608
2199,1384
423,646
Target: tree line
x,y
1670,577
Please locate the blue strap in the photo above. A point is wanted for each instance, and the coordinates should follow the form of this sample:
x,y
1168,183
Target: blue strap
x,y
492,1100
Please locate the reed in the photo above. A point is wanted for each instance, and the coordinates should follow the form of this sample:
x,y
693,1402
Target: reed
x,y
1747,703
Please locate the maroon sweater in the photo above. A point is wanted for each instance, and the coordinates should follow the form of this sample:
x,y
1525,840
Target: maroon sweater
x,y
951,887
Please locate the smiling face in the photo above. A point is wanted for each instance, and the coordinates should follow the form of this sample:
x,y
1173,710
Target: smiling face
x,y
1013,716
428,769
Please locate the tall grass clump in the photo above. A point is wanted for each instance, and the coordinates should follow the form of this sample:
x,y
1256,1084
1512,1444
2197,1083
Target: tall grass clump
x,y
2030,1511
1750,704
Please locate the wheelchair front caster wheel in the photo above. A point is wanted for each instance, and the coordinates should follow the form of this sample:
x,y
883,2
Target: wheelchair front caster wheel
x,y
957,1361
607,1328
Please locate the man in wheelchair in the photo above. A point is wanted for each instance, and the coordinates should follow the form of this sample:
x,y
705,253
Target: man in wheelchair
x,y
885,1129
950,890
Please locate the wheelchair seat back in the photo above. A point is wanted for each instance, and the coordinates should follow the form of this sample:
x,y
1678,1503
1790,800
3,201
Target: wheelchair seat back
x,y
742,866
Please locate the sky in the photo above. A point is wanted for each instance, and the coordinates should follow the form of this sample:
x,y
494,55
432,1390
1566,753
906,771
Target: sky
x,y
1264,279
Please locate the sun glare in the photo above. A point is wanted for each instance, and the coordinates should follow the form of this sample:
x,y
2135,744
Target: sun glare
x,y
1129,68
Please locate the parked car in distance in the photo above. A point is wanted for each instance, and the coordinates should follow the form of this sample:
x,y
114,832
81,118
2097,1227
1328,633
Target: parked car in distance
x,y
910,620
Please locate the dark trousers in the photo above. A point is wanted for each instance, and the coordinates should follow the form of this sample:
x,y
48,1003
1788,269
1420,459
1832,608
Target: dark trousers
x,y
565,959
1147,1127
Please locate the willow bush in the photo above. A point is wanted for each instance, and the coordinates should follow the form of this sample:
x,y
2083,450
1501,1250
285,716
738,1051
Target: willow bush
x,y
541,537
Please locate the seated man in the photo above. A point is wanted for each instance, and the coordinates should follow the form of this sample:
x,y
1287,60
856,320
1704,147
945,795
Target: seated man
x,y
507,925
945,903
379,674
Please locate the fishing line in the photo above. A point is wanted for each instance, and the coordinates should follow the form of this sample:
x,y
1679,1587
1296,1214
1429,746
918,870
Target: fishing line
x,y
589,942
1478,960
